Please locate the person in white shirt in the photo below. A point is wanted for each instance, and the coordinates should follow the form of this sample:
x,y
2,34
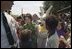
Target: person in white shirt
x,y
52,39
9,31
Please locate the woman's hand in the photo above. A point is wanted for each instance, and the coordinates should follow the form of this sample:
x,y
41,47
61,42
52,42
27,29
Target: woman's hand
x,y
27,31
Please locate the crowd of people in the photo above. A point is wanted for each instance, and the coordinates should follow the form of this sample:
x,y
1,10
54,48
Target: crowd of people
x,y
25,32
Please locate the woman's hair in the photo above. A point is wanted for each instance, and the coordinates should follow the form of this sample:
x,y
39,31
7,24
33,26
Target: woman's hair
x,y
29,16
19,17
51,22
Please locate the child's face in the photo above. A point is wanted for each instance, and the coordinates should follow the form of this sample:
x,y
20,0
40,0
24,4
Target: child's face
x,y
27,20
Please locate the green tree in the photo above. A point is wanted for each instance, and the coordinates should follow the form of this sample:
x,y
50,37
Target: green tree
x,y
57,5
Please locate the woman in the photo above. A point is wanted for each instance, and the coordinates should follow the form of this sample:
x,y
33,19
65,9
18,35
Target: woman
x,y
52,39
29,28
18,25
60,29
65,41
61,33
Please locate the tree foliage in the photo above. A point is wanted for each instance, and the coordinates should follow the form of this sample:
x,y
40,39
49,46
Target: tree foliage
x,y
57,5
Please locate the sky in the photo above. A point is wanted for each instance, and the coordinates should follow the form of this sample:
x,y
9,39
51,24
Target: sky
x,y
27,6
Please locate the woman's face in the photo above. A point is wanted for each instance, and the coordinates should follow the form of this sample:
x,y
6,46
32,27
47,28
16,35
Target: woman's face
x,y
59,26
27,20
